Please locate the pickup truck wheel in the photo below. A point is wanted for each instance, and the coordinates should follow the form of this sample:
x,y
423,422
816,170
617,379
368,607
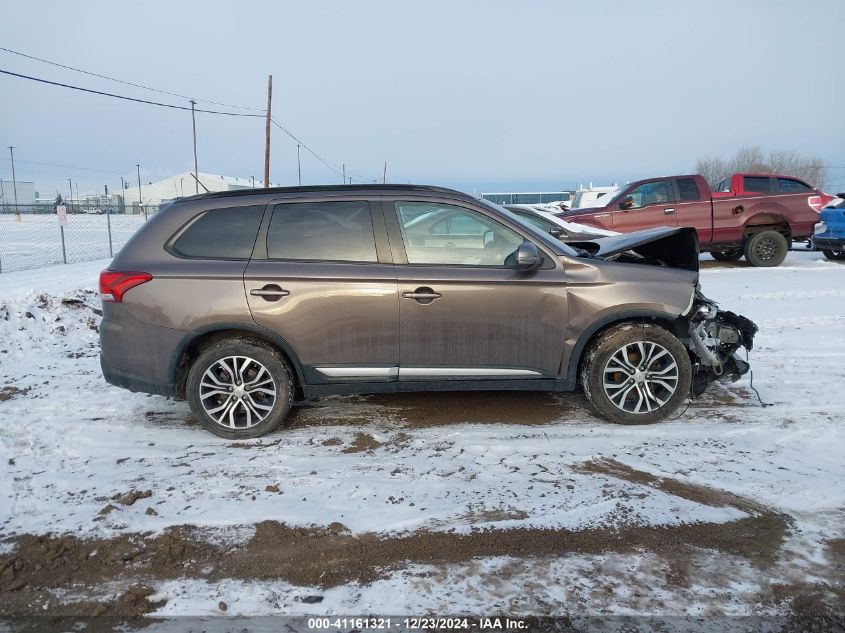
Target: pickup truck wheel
x,y
837,255
727,256
636,373
766,248
239,389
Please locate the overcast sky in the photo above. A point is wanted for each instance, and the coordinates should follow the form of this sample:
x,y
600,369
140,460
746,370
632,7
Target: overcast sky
x,y
486,95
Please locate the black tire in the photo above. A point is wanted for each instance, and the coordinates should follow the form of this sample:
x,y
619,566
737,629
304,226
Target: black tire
x,y
245,404
834,255
766,248
598,363
727,256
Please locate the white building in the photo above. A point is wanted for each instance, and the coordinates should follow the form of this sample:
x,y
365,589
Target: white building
x,y
182,185
25,192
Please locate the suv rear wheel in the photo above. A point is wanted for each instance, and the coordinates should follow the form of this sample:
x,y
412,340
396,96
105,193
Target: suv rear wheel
x,y
240,389
766,248
636,373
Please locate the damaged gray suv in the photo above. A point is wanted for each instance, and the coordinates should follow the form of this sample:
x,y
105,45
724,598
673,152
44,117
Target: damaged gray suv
x,y
242,302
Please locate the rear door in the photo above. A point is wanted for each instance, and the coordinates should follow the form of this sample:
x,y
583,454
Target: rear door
x,y
651,204
693,207
465,312
322,279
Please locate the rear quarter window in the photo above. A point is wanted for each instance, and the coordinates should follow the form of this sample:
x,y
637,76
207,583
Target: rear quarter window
x,y
226,233
757,184
790,185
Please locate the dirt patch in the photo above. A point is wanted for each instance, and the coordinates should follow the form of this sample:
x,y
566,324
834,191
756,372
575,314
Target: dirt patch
x,y
763,551
362,442
420,410
692,492
10,391
328,557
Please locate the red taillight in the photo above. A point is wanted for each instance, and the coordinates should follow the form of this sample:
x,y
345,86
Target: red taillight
x,y
114,284
815,203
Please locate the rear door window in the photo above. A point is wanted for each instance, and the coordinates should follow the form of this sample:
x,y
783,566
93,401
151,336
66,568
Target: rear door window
x,y
790,185
688,190
322,231
227,233
757,184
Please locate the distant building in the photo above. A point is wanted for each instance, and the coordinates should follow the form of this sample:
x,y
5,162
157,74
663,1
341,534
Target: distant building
x,y
25,190
182,185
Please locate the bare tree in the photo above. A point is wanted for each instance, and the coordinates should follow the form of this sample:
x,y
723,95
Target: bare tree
x,y
750,159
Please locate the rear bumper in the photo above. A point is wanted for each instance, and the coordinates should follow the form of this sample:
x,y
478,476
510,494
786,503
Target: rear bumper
x,y
135,355
832,243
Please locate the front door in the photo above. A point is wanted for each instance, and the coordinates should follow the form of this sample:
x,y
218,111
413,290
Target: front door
x,y
321,278
465,312
646,206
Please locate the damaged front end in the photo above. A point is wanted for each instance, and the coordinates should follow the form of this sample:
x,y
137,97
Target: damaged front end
x,y
715,336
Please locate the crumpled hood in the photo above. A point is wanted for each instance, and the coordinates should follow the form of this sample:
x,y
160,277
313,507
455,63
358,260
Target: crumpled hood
x,y
673,247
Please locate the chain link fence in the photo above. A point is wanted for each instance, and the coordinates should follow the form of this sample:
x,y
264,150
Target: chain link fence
x,y
31,236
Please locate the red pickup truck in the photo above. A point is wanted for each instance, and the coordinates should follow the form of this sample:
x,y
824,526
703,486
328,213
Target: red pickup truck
x,y
755,215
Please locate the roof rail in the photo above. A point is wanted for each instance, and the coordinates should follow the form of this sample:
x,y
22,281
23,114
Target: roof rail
x,y
321,189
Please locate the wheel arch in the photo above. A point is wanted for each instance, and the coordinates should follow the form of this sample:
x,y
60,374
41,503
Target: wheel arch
x,y
192,344
668,321
767,217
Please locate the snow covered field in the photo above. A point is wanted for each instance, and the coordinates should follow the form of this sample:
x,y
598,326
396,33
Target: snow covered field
x,y
36,239
523,504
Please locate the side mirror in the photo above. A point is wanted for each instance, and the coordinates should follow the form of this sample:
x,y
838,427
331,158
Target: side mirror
x,y
557,231
626,203
528,257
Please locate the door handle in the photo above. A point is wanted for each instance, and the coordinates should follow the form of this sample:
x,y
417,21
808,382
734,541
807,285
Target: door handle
x,y
423,295
668,211
270,292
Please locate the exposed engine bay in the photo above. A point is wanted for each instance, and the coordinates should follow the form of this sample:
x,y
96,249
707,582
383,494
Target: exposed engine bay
x,y
715,336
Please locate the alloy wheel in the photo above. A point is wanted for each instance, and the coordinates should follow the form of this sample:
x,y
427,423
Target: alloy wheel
x,y
640,377
237,392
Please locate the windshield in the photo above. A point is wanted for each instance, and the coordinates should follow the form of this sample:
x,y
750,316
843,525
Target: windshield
x,y
513,217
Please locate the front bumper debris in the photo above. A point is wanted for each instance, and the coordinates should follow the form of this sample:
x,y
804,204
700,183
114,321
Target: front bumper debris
x,y
715,336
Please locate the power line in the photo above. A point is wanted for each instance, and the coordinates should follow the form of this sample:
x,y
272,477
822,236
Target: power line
x,y
35,162
109,94
332,166
126,83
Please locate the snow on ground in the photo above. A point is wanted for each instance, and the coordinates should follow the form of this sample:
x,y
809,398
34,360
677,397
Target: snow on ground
x,y
70,443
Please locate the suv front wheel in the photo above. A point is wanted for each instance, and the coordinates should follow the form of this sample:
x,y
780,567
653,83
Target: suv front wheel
x,y
239,389
636,373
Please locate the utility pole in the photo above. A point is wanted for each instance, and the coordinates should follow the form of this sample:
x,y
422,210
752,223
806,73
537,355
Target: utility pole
x,y
70,186
384,174
15,184
298,165
108,220
78,197
344,173
194,123
267,132
140,200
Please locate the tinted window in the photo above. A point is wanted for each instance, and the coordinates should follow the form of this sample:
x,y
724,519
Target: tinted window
x,y
221,234
757,184
788,185
323,231
444,234
649,193
687,189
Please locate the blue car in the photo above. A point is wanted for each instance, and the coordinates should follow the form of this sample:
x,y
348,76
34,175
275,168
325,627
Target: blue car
x,y
829,234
